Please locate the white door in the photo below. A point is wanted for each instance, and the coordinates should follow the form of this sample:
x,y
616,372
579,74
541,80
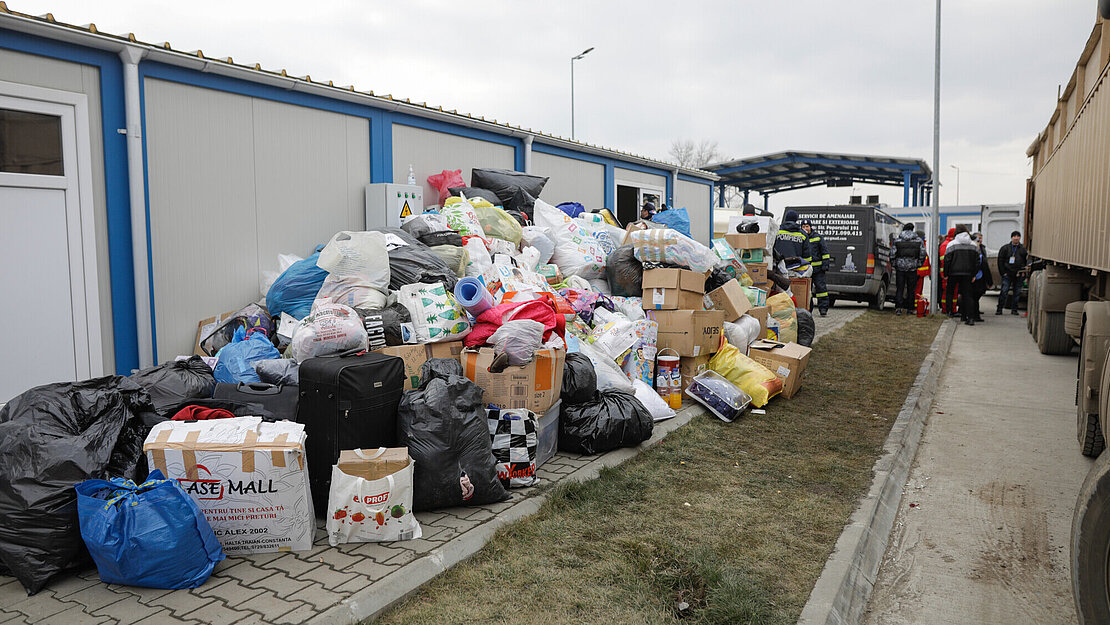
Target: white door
x,y
48,277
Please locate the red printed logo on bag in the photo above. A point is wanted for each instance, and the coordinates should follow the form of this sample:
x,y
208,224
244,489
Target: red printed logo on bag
x,y
370,500
206,489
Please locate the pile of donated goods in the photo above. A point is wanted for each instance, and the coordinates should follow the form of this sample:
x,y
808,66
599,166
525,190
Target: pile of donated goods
x,y
392,371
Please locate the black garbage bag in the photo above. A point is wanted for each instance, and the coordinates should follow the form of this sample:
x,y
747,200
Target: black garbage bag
x,y
284,371
806,328
579,379
516,190
625,272
393,324
612,419
234,406
410,261
174,381
717,278
474,192
443,423
52,437
520,217
449,237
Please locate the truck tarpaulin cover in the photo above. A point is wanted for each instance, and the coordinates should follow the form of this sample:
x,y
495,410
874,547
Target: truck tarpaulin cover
x,y
52,437
513,188
611,420
443,423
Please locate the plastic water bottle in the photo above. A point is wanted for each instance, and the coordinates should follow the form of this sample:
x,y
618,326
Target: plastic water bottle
x,y
412,175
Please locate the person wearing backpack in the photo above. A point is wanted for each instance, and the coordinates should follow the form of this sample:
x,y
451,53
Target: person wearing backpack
x,y
909,253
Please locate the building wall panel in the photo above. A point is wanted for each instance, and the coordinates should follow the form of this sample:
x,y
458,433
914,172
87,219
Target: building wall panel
x,y
28,69
697,199
639,177
430,152
570,180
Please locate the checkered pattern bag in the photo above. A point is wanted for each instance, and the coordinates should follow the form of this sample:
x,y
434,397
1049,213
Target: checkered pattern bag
x,y
515,444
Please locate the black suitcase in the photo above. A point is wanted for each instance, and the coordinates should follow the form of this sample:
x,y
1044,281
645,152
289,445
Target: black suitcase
x,y
279,399
346,402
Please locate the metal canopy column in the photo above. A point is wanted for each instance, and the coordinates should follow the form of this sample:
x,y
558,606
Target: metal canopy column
x,y
766,196
907,182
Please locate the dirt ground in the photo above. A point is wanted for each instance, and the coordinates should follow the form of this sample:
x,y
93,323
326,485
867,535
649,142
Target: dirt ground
x,y
984,525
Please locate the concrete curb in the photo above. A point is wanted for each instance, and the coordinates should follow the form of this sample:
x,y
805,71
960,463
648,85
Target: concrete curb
x,y
843,590
372,601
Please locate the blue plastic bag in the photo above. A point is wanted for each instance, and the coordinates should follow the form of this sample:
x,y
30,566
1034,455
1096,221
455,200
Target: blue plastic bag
x,y
236,360
151,534
572,209
675,219
296,288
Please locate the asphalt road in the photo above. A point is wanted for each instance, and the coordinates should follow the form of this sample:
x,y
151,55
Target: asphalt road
x,y
983,529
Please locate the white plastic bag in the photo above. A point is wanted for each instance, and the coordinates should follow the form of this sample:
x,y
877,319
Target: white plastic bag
x,y
361,510
329,329
462,217
349,291
529,258
742,333
609,375
577,252
480,260
436,315
615,338
660,245
519,339
651,400
360,255
535,236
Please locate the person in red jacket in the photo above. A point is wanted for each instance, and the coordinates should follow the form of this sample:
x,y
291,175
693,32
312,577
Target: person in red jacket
x,y
924,271
947,303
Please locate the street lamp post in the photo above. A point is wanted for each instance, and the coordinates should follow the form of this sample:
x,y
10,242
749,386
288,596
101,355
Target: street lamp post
x,y
957,168
934,221
572,60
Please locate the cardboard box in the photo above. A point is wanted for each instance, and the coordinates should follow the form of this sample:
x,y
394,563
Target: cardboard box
x,y
751,256
416,355
760,313
535,386
673,289
801,288
372,465
690,332
758,272
730,298
205,327
787,360
690,366
754,241
249,478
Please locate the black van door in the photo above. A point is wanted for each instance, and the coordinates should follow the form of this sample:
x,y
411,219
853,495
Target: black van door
x,y
849,233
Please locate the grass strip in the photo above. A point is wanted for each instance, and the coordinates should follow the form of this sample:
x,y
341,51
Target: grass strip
x,y
718,523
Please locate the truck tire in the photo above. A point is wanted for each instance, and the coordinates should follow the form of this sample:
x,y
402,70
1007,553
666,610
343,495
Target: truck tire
x,y
1104,395
1051,338
1073,319
1032,309
878,300
1090,546
1091,442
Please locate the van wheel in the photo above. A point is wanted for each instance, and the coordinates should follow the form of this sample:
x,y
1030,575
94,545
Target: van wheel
x,y
1051,337
1090,546
878,300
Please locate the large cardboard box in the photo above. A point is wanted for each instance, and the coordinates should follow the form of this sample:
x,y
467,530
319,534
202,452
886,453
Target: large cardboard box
x,y
673,289
690,366
730,298
760,313
787,360
249,478
535,386
758,272
754,241
690,332
416,355
801,289
372,465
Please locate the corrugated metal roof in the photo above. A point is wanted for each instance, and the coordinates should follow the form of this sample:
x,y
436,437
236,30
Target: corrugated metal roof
x,y
414,107
784,171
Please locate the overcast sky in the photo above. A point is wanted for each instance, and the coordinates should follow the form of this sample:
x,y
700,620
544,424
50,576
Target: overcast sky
x,y
757,77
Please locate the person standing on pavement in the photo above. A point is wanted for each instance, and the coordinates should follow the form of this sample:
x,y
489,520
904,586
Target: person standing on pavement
x,y
946,293
924,271
984,278
909,251
961,263
820,260
1012,258
791,244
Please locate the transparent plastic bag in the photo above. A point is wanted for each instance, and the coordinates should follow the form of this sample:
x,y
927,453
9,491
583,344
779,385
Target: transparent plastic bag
x,y
350,291
496,223
670,246
457,258
480,261
361,255
782,308
535,236
753,378
518,339
462,218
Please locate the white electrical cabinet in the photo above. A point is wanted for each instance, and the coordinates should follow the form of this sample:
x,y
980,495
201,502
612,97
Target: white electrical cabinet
x,y
388,203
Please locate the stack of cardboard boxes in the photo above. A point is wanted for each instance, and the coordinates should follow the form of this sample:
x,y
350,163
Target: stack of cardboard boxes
x,y
752,250
676,297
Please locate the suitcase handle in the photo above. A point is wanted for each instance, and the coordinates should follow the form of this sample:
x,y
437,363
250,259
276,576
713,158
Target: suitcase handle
x,y
362,454
258,388
350,352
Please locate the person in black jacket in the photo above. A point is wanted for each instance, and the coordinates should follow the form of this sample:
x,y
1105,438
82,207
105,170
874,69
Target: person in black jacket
x,y
791,244
1012,259
820,261
961,262
984,278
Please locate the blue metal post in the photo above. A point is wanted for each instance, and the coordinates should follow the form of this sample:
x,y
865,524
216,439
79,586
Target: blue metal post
x,y
916,190
766,196
907,182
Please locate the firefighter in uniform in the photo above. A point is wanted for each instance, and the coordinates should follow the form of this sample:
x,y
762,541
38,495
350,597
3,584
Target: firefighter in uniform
x,y
819,260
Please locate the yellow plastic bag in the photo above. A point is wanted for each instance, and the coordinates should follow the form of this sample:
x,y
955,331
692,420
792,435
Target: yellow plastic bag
x,y
496,222
782,308
752,377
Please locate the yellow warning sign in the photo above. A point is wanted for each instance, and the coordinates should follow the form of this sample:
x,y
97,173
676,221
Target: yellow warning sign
x,y
405,210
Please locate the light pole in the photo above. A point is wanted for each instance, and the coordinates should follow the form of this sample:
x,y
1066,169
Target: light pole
x,y
934,243
957,168
572,60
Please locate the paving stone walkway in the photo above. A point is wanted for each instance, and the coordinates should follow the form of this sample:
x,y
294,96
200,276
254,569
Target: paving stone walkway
x,y
343,584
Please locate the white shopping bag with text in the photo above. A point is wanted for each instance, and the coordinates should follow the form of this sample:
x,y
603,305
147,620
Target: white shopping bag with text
x,y
361,510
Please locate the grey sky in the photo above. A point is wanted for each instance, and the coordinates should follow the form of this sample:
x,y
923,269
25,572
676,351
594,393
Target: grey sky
x,y
851,76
